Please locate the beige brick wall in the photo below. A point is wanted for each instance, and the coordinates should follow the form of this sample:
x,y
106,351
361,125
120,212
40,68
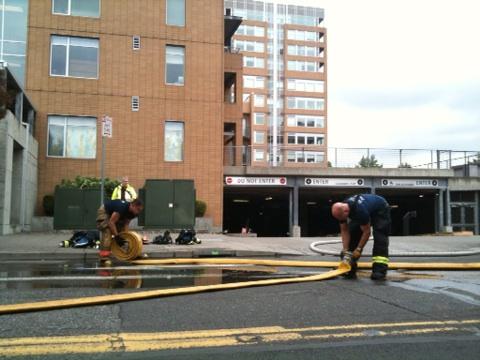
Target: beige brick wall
x,y
137,147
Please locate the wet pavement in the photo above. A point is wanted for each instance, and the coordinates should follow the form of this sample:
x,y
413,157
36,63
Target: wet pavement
x,y
74,274
463,286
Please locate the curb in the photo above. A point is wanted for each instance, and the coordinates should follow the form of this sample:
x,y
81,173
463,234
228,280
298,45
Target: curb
x,y
92,255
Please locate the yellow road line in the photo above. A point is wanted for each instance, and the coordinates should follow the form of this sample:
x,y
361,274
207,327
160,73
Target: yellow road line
x,y
134,342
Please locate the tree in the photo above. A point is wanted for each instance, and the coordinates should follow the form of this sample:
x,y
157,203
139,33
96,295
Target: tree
x,y
476,160
86,182
369,162
404,166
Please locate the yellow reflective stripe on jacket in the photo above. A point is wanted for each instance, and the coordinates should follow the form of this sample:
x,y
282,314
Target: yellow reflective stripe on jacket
x,y
380,260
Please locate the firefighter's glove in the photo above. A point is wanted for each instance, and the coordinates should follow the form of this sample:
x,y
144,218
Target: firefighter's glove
x,y
357,253
347,257
120,241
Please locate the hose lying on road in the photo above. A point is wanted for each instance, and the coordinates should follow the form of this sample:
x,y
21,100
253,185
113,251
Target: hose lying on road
x,y
314,264
129,251
475,251
110,299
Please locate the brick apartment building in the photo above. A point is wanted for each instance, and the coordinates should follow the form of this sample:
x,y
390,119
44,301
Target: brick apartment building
x,y
155,66
284,82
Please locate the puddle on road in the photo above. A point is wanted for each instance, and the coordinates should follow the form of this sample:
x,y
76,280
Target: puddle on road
x,y
23,275
465,289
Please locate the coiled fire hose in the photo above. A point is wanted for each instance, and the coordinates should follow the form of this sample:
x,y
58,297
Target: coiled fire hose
x,y
130,249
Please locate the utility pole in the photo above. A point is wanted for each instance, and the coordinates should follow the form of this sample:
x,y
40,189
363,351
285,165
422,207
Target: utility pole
x,y
106,132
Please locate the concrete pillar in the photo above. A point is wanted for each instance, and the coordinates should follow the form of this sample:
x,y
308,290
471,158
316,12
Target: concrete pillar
x,y
294,207
448,222
441,211
476,212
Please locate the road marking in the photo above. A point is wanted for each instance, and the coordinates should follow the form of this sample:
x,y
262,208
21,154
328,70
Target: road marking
x,y
135,342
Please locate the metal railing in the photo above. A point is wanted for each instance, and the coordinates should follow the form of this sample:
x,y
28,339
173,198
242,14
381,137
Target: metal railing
x,y
350,157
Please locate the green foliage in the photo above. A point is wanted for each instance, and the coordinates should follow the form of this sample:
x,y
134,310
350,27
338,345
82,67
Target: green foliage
x,y
200,208
48,204
404,166
329,164
369,162
87,182
476,160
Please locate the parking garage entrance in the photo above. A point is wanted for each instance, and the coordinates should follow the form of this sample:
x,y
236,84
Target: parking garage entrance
x,y
412,210
261,210
315,217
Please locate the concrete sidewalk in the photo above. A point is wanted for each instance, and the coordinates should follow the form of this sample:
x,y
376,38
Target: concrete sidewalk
x,y
44,246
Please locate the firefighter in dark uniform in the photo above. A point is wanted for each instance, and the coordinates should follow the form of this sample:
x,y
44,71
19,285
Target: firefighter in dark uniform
x,y
112,218
357,214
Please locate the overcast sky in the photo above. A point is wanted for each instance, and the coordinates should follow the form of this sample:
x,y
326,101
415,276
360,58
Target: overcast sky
x,y
403,74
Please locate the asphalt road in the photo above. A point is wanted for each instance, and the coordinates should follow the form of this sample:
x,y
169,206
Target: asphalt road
x,y
413,315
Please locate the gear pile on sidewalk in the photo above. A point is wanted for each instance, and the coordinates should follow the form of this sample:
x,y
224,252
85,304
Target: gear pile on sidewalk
x,y
185,237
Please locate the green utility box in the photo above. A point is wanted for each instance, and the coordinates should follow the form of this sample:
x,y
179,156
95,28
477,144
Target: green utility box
x,y
75,208
169,204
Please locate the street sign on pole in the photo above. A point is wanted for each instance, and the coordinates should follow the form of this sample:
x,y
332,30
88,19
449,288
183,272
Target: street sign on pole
x,y
107,131
107,126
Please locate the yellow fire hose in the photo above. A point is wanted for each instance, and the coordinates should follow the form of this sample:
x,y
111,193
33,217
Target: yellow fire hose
x,y
134,249
129,251
109,299
315,264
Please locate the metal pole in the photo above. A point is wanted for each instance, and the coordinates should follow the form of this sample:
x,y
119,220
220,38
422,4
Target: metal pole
x,y
102,172
475,214
400,157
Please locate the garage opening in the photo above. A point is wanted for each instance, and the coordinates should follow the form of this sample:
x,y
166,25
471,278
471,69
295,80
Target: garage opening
x,y
413,210
261,211
315,217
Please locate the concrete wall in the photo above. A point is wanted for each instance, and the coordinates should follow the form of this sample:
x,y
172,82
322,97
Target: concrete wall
x,y
16,164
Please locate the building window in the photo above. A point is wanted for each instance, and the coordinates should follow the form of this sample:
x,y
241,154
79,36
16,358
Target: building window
x,y
250,61
300,50
72,137
259,155
259,100
259,118
74,57
88,8
305,139
259,137
174,135
175,65
176,12
308,121
314,157
252,46
305,103
254,82
251,30
295,65
306,85
302,35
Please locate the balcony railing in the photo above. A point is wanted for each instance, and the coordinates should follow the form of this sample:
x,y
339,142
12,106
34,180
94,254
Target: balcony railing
x,y
353,157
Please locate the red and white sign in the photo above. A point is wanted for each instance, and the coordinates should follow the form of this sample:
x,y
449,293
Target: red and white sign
x,y
107,128
255,181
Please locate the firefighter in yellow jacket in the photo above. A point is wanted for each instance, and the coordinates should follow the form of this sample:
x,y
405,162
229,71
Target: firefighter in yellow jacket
x,y
124,191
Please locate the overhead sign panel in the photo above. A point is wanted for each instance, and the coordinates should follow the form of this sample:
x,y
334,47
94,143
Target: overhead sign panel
x,y
347,182
255,181
414,183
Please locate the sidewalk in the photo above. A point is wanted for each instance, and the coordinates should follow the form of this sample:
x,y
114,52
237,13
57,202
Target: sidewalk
x,y
44,246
